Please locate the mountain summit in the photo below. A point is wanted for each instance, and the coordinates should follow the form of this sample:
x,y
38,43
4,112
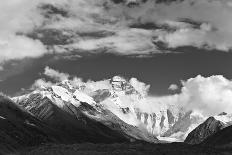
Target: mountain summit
x,y
70,109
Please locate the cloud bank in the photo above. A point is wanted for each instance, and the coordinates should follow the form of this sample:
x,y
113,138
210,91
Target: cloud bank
x,y
93,26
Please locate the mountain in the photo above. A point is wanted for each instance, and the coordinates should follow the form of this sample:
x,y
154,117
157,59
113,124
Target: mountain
x,y
222,138
69,112
168,122
121,100
19,129
78,116
211,126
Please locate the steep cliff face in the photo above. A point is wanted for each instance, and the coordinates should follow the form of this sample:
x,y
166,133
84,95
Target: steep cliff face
x,y
211,126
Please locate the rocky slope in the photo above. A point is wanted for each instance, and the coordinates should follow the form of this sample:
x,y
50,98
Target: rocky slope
x,y
211,126
19,129
222,138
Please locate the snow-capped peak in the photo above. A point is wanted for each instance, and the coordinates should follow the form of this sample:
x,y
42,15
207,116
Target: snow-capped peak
x,y
122,86
60,94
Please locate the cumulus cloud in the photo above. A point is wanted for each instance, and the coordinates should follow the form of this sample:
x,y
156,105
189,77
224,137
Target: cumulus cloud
x,y
18,47
173,87
141,87
56,75
41,83
208,96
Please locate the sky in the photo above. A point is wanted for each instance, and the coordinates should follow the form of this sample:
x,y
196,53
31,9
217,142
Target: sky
x,y
178,48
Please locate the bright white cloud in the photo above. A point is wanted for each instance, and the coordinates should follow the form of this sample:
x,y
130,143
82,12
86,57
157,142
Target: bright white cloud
x,y
18,47
19,16
208,96
139,86
173,87
41,83
56,75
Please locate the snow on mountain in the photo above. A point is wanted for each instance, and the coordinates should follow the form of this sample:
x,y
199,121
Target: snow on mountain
x,y
20,129
126,102
75,100
165,120
60,93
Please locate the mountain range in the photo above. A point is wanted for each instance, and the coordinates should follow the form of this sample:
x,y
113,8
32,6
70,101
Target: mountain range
x,y
67,113
121,100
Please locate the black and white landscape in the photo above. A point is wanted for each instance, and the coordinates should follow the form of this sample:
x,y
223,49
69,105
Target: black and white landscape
x,y
116,77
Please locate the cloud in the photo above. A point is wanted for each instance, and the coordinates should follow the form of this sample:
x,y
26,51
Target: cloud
x,y
1,68
193,23
56,75
125,42
41,83
139,86
18,47
173,87
206,25
180,23
19,16
208,95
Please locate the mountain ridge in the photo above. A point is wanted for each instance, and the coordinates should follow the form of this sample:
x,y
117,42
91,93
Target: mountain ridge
x,y
123,100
